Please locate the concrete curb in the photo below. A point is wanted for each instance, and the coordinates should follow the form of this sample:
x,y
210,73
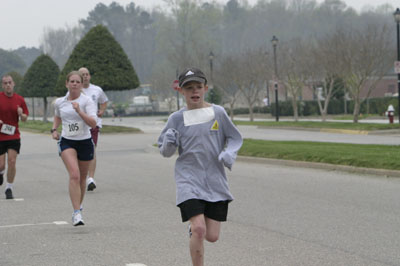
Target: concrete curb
x,y
345,131
324,166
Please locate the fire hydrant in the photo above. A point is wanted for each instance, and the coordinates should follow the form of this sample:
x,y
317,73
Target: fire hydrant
x,y
390,113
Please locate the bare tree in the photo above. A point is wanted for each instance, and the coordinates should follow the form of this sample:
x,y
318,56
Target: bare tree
x,y
326,68
251,77
225,80
366,58
295,59
238,75
185,35
59,43
162,80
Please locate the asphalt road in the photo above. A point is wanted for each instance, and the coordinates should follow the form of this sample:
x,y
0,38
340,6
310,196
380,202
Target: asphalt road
x,y
280,216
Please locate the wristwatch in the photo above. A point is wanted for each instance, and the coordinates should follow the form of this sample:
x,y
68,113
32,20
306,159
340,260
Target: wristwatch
x,y
53,129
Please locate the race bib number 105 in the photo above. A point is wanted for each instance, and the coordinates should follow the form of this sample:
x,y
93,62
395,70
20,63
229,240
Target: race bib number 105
x,y
7,129
73,129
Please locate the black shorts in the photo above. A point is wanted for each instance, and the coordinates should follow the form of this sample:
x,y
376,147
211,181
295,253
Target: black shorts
x,y
84,148
14,144
214,210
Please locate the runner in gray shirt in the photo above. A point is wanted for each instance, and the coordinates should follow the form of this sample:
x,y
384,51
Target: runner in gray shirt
x,y
207,141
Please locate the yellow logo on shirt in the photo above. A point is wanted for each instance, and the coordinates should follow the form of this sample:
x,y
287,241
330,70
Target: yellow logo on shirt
x,y
215,126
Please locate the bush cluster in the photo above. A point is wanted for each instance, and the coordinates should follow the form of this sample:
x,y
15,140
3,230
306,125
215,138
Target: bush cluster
x,y
309,108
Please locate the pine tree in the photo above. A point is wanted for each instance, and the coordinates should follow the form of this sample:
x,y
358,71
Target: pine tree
x,y
109,66
40,80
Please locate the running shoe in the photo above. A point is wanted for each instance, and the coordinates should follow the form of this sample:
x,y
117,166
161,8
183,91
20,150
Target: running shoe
x,y
77,219
1,179
9,194
91,186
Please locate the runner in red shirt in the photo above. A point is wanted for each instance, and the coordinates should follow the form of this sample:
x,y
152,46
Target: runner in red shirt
x,y
12,109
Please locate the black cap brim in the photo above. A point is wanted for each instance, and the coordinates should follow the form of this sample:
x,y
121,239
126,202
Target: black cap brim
x,y
189,79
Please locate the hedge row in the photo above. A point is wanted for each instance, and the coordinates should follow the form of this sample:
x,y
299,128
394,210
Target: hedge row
x,y
307,108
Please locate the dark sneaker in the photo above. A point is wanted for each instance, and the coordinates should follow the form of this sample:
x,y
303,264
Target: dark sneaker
x,y
9,194
1,179
91,186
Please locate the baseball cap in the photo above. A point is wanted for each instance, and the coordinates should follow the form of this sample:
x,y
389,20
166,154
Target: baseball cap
x,y
191,74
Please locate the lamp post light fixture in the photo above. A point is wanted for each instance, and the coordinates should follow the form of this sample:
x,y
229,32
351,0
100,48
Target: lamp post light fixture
x,y
396,15
274,42
211,57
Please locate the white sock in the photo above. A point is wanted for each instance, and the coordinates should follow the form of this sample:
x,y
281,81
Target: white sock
x,y
9,185
90,180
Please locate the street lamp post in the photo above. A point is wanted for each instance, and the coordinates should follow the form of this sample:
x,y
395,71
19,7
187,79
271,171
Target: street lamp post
x,y
274,42
266,83
211,57
397,20
177,92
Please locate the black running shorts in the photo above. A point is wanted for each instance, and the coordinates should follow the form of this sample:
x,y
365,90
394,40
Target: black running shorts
x,y
14,144
84,148
214,210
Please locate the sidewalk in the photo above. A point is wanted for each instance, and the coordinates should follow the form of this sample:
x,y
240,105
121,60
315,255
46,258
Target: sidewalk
x,y
313,119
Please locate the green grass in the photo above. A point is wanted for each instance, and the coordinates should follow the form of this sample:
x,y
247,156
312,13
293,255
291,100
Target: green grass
x,y
119,129
314,124
359,155
42,127
360,117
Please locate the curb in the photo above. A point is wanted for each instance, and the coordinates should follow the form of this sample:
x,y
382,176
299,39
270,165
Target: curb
x,y
323,166
345,131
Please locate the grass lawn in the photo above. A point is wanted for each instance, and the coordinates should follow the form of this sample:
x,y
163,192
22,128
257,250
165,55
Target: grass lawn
x,y
359,155
314,124
350,117
41,127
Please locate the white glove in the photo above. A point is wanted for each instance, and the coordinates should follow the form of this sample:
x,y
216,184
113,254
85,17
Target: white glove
x,y
172,136
226,159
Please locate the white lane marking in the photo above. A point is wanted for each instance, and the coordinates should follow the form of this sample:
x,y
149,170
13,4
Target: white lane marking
x,y
22,225
18,199
60,222
135,264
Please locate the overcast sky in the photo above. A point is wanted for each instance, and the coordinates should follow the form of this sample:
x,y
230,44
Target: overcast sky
x,y
22,21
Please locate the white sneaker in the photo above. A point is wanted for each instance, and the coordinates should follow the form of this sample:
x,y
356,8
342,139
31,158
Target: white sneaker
x,y
77,219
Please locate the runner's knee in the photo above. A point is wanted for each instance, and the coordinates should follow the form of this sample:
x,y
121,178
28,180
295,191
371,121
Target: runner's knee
x,y
212,237
198,230
11,162
74,176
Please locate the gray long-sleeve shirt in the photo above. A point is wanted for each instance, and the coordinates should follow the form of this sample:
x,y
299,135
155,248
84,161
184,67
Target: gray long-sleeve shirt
x,y
198,172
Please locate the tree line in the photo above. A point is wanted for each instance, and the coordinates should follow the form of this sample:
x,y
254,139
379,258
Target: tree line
x,y
98,51
319,45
